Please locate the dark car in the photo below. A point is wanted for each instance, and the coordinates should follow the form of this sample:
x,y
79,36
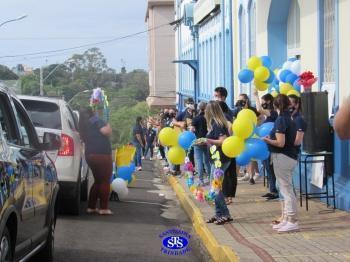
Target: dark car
x,y
28,185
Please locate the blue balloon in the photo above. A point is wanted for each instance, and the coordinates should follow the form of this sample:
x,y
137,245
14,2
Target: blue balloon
x,y
243,159
265,129
256,148
263,156
246,76
292,59
125,172
266,61
284,74
291,78
271,77
296,85
186,138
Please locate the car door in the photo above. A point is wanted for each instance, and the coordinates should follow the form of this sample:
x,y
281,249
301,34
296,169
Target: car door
x,y
41,187
21,175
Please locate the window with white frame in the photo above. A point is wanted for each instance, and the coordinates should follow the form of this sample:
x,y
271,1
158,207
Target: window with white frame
x,y
252,29
293,29
329,49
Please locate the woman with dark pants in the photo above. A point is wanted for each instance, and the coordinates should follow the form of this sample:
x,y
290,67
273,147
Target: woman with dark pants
x,y
284,155
267,114
217,132
98,151
229,185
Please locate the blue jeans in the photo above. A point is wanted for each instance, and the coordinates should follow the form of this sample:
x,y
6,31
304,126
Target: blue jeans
x,y
221,209
270,176
149,147
201,159
138,154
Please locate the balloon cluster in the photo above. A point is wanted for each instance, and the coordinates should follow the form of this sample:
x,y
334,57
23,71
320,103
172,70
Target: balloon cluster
x,y
99,103
287,79
123,169
178,144
245,143
259,70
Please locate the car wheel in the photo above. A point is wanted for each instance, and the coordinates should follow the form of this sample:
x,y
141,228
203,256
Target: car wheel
x,y
85,188
74,204
46,253
5,246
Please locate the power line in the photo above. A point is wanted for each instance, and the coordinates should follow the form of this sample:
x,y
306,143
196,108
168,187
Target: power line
x,y
86,45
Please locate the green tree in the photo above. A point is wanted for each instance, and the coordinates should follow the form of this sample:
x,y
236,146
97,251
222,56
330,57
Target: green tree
x,y
7,74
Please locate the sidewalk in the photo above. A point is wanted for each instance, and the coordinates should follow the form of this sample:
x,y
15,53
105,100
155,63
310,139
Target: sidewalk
x,y
324,235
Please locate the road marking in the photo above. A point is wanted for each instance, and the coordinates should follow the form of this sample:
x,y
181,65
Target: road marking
x,y
147,203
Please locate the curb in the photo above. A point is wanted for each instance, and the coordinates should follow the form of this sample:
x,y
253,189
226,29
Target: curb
x,y
217,252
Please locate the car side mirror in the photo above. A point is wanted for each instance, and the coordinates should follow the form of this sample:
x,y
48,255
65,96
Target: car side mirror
x,y
51,142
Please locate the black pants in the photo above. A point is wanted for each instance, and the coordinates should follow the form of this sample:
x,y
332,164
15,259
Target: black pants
x,y
162,152
229,185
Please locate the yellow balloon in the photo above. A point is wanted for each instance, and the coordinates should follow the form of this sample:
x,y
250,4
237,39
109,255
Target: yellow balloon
x,y
293,92
261,73
168,137
285,88
233,146
243,128
254,62
176,155
246,114
261,86
274,93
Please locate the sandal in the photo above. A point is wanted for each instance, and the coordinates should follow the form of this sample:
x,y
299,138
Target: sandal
x,y
223,220
105,212
211,220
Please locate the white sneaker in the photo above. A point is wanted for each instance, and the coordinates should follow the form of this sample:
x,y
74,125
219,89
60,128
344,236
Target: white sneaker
x,y
289,227
150,159
143,158
166,169
256,177
245,178
280,225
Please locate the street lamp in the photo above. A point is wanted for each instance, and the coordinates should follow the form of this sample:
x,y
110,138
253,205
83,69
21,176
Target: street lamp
x,y
79,93
13,20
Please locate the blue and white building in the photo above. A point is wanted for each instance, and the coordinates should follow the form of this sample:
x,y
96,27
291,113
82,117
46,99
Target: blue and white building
x,y
216,37
204,48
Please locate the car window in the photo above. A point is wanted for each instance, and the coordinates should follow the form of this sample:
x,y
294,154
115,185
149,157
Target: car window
x,y
43,114
26,128
70,118
7,121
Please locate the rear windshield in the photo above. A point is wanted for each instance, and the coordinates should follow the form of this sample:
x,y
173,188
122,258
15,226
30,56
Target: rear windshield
x,y
43,114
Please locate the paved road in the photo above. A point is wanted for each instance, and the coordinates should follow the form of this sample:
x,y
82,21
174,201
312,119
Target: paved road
x,y
132,233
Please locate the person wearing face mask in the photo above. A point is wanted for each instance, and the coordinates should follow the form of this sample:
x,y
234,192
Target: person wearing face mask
x,y
295,110
243,102
267,114
184,119
150,140
284,155
220,94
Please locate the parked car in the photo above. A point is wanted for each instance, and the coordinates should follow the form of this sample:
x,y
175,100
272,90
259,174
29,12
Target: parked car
x,y
28,185
55,116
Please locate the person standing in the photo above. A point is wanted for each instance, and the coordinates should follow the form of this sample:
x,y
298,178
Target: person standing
x,y
217,132
342,120
98,151
137,140
201,153
267,114
243,102
151,136
284,155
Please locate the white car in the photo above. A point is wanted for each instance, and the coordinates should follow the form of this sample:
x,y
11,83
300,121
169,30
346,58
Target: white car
x,y
55,116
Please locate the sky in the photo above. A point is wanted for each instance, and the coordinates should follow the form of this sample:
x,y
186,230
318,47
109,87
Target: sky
x,y
52,25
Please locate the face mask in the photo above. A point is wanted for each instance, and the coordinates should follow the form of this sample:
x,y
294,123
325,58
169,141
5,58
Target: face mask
x,y
241,103
190,106
264,106
291,109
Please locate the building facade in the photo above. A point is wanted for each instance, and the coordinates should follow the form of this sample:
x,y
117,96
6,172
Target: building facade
x,y
204,48
314,31
161,53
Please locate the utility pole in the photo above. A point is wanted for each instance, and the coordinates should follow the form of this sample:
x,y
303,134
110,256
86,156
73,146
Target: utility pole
x,y
41,82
